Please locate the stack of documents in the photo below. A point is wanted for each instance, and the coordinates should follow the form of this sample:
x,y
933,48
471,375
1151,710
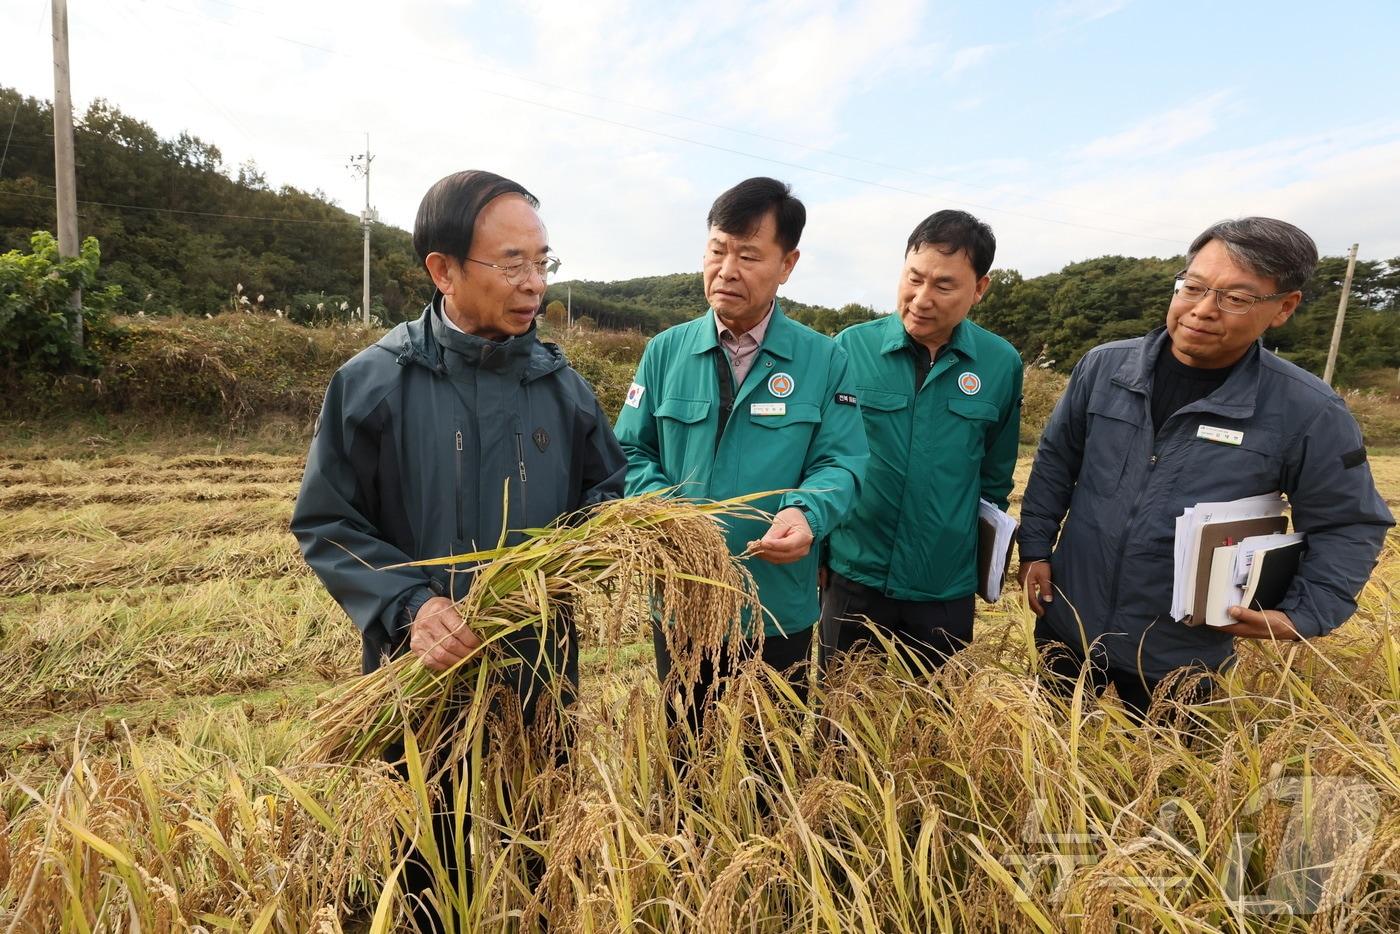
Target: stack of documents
x,y
995,533
1255,573
1203,528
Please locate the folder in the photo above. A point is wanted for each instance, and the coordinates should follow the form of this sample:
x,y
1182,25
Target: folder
x,y
1209,563
996,531
1274,561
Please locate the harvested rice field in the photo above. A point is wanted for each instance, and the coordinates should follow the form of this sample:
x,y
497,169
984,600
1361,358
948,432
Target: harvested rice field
x,y
166,647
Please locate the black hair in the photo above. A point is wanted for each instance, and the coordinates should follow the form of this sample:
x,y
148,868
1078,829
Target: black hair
x,y
1267,247
949,231
447,214
741,209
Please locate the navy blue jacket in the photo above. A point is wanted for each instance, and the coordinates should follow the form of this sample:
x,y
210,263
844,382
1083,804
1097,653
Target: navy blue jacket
x,y
1111,492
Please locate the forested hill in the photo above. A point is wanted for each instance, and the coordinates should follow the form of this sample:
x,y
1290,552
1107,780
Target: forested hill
x,y
651,303
180,231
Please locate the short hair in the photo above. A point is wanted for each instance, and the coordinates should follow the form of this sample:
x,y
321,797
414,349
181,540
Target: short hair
x,y
1266,247
951,231
447,214
741,210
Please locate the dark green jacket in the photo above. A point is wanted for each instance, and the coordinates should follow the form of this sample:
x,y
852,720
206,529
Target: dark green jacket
x,y
807,439
933,453
417,440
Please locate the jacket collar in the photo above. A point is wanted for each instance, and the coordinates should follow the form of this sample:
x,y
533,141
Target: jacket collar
x,y
780,340
1236,398
896,338
426,340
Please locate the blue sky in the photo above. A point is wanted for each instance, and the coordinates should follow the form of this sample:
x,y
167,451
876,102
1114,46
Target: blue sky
x,y
1075,128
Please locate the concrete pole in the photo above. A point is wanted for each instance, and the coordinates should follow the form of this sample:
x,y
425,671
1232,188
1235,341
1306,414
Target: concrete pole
x,y
1341,316
65,176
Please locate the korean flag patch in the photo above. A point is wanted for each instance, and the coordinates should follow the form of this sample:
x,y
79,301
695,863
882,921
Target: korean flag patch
x,y
634,395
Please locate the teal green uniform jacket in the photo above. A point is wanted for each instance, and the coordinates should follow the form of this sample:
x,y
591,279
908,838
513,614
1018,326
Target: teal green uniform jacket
x,y
795,426
913,532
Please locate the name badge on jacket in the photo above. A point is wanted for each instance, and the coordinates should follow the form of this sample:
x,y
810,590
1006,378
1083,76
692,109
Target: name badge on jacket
x,y
1219,435
768,408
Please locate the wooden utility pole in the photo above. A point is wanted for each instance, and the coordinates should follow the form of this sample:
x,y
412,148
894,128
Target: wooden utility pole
x,y
1341,316
360,163
65,178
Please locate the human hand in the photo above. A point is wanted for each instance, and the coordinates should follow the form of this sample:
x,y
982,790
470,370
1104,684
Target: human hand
x,y
1036,583
788,539
1261,624
439,636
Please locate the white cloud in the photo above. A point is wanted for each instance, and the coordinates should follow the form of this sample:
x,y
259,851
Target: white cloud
x,y
973,55
1161,132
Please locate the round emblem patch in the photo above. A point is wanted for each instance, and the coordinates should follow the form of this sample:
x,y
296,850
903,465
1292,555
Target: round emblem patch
x,y
970,383
781,385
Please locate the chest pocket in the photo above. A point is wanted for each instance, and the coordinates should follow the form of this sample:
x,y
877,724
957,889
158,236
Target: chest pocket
x,y
973,420
1216,471
1110,438
775,447
882,411
683,437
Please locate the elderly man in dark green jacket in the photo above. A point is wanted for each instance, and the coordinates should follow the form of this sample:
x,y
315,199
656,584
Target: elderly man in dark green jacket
x,y
941,401
421,433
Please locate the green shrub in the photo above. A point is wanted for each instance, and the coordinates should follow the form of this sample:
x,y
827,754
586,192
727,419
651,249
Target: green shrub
x,y
34,326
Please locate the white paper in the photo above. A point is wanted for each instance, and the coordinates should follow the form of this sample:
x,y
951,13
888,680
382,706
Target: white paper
x,y
1005,527
1253,545
1188,539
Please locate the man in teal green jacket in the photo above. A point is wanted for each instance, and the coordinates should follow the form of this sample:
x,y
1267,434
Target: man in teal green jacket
x,y
941,399
745,400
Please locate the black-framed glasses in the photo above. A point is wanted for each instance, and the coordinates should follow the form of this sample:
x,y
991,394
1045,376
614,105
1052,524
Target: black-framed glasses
x,y
1230,301
516,272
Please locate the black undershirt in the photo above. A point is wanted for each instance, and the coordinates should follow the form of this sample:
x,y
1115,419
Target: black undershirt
x,y
1176,385
923,360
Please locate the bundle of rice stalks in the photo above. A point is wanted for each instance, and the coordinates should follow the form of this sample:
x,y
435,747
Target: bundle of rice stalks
x,y
671,549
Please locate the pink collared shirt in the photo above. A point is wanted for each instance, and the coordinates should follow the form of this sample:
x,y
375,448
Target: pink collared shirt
x,y
743,350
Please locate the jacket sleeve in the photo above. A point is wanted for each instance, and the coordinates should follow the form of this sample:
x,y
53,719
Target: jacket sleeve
x,y
999,461
834,467
1337,507
604,464
1055,468
636,429
335,523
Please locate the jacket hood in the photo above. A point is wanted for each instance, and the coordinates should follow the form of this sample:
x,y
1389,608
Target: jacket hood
x,y
425,340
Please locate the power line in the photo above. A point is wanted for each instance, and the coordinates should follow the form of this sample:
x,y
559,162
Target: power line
x,y
732,151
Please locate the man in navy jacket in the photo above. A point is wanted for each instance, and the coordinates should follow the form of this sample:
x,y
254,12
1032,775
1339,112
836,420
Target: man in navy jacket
x,y
1194,412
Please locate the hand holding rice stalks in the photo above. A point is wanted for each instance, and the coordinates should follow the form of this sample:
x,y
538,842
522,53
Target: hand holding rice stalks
x,y
672,550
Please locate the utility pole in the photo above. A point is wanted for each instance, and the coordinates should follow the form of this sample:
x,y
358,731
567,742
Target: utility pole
x,y
1341,316
360,163
569,312
65,177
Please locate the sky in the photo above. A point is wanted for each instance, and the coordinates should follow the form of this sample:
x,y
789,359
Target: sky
x,y
1075,128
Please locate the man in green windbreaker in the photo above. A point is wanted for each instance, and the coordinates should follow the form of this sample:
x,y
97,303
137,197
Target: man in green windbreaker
x,y
745,400
941,400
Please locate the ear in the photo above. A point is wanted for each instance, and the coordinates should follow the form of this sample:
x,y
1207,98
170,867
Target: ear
x,y
789,261
440,269
1285,309
982,285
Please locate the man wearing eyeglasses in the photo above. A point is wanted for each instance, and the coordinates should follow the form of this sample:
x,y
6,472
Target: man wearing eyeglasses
x,y
1197,411
449,429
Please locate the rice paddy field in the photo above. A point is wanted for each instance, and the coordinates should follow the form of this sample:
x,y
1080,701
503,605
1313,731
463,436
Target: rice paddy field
x,y
164,649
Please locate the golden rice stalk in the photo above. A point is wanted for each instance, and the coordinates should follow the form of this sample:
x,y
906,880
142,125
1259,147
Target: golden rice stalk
x,y
672,549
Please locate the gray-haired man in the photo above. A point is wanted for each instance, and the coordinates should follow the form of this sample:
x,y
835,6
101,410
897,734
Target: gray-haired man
x,y
1197,411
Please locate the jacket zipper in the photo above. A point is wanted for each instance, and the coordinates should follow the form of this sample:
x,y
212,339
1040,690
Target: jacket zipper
x,y
460,535
520,461
1128,526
